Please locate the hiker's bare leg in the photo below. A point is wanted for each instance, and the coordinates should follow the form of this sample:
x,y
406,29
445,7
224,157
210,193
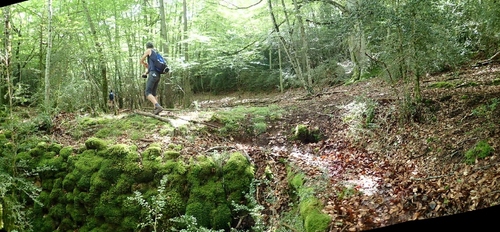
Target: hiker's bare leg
x,y
152,99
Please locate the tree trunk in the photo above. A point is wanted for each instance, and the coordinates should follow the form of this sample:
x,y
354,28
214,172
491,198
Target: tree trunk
x,y
186,82
47,57
6,86
291,54
168,100
356,42
102,64
163,29
304,49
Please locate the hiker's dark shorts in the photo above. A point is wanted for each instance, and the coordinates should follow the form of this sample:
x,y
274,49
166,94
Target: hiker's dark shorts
x,y
152,83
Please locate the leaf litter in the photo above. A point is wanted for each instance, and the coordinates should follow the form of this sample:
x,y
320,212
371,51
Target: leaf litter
x,y
392,172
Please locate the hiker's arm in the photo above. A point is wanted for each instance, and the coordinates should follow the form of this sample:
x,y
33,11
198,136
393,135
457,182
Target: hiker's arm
x,y
143,58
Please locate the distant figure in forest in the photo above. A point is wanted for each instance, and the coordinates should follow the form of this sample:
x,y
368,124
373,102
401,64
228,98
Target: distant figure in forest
x,y
111,102
153,77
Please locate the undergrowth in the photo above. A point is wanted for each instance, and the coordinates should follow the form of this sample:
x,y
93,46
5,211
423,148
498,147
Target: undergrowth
x,y
246,121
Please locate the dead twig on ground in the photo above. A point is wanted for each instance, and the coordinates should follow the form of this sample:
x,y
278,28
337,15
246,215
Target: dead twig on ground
x,y
163,119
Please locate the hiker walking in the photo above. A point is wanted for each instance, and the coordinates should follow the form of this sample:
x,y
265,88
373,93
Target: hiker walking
x,y
111,101
153,78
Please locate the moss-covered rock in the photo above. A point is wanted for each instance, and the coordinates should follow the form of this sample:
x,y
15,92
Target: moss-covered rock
x,y
67,224
314,220
98,184
69,182
55,147
152,152
177,175
57,194
123,184
201,211
171,155
221,217
95,144
306,135
148,171
175,204
117,152
201,169
57,212
317,221
36,152
238,175
65,152
109,170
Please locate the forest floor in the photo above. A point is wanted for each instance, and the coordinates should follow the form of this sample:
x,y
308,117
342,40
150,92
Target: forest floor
x,y
385,172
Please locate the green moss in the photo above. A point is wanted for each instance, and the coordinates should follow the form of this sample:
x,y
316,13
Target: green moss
x,y
221,218
442,85
98,184
130,223
83,183
56,163
77,214
175,147
201,169
55,147
481,150
201,211
211,191
238,175
47,184
67,225
111,214
171,155
175,205
132,168
25,157
88,162
57,194
36,152
42,146
69,182
316,221
109,170
117,152
43,224
148,172
178,167
95,144
308,205
123,185
297,180
65,152
306,135
44,198
57,211
151,153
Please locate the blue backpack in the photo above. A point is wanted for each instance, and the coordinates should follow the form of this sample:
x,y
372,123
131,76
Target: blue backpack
x,y
159,63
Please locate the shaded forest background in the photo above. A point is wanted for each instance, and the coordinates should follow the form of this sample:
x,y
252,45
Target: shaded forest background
x,y
68,55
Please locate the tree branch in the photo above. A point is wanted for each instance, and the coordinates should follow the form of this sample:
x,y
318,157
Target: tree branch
x,y
235,7
331,2
163,119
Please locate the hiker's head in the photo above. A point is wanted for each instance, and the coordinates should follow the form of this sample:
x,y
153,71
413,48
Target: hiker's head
x,y
149,45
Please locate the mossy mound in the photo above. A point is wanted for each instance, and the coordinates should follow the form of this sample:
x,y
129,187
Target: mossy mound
x,y
95,144
88,188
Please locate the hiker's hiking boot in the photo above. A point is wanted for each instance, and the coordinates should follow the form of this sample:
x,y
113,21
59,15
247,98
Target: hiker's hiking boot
x,y
158,110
